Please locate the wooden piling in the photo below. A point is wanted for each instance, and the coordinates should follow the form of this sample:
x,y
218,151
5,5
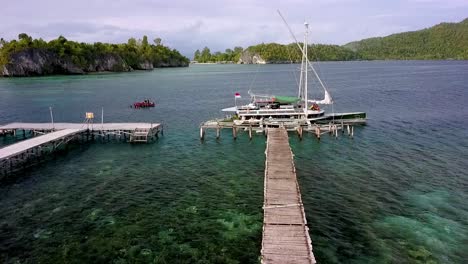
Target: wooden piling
x,y
202,133
234,132
299,132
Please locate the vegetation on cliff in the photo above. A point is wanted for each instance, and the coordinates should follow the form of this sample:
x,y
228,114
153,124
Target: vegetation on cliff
x,y
135,54
443,41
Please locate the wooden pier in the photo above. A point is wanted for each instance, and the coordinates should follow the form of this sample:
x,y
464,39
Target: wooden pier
x,y
261,126
285,233
48,137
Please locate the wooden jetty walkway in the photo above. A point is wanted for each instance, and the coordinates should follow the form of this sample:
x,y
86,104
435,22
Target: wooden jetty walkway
x,y
285,233
29,144
47,137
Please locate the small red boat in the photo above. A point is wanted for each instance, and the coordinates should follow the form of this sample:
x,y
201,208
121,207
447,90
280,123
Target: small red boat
x,y
145,104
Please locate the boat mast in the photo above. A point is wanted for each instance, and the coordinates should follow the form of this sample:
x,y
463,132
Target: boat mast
x,y
306,68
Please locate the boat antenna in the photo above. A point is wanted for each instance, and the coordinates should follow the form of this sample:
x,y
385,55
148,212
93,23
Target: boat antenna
x,y
302,50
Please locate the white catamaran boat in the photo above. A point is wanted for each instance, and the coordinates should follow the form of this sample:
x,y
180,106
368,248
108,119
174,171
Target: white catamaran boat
x,y
286,109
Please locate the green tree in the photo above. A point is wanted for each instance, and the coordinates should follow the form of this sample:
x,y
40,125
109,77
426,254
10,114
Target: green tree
x,y
157,41
196,55
205,55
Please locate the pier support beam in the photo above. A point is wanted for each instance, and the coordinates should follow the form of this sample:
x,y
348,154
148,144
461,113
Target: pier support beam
x,y
202,133
234,132
299,132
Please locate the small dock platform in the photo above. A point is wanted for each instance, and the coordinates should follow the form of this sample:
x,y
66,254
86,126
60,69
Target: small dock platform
x,y
48,137
285,233
262,125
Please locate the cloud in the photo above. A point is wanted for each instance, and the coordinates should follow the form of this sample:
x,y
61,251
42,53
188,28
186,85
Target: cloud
x,y
188,25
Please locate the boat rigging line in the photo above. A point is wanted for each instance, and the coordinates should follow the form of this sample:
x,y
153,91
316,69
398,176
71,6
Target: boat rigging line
x,y
306,58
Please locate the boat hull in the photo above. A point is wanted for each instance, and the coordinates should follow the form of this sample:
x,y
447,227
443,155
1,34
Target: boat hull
x,y
355,118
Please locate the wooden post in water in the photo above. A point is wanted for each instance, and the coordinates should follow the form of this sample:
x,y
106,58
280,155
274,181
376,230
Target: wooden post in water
x,y
352,131
299,132
250,132
217,132
202,133
234,132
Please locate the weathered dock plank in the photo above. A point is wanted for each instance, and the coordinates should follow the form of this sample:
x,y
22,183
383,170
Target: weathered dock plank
x,y
285,233
91,126
22,146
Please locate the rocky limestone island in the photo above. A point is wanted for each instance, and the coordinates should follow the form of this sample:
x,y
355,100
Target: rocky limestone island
x,y
28,57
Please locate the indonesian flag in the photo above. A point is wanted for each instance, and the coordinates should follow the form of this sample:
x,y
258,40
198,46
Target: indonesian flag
x,y
237,95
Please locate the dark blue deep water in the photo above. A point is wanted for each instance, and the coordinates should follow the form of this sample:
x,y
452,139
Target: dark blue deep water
x,y
396,193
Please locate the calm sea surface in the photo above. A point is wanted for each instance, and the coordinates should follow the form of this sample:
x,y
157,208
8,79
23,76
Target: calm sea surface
x,y
396,193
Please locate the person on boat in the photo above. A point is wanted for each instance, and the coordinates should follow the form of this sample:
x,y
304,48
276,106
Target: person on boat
x,y
315,107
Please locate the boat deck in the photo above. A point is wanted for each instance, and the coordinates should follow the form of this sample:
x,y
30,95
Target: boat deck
x,y
285,233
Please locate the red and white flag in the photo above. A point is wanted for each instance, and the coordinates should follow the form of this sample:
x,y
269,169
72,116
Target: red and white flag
x,y
237,95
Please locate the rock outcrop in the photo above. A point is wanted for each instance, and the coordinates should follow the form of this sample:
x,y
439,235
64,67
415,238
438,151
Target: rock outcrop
x,y
172,63
34,62
145,65
250,58
108,62
38,62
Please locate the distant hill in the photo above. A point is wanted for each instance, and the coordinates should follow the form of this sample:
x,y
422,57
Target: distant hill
x,y
443,41
440,42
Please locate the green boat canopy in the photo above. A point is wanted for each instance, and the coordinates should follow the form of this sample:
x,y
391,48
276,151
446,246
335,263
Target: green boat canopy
x,y
286,99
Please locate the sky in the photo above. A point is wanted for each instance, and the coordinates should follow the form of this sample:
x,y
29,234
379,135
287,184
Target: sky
x,y
188,25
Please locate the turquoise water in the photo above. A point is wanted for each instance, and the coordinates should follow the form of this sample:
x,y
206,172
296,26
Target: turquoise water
x,y
396,193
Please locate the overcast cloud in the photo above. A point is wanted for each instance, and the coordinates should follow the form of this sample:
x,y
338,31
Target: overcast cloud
x,y
188,25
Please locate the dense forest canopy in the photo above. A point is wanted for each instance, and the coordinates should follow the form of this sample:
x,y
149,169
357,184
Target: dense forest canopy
x,y
273,52
443,41
229,55
134,52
